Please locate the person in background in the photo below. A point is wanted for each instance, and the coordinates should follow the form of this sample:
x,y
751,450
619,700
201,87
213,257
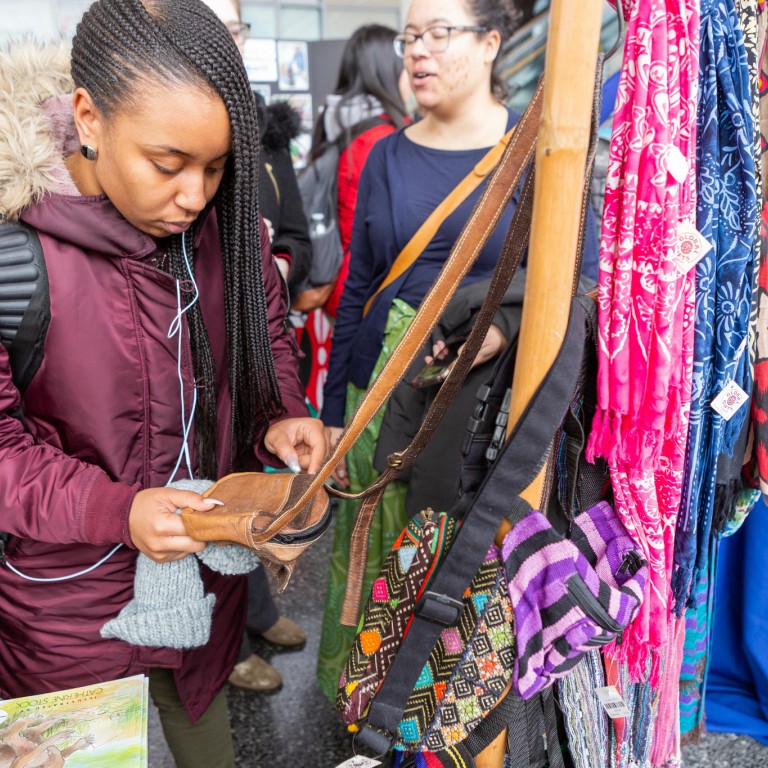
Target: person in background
x,y
368,103
230,14
280,203
281,207
449,49
134,159
279,196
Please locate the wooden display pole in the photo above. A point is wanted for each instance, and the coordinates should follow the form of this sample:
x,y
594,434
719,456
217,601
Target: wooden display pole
x,y
561,152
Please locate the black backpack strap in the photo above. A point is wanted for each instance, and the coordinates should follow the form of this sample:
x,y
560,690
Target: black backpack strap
x,y
519,462
24,300
533,739
358,129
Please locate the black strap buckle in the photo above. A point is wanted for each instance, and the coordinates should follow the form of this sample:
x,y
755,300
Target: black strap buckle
x,y
439,609
500,430
374,739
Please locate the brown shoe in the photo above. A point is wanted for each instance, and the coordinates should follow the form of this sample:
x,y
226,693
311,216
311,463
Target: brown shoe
x,y
255,674
285,633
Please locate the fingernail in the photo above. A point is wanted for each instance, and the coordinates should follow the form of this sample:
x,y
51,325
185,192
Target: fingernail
x,y
294,466
215,501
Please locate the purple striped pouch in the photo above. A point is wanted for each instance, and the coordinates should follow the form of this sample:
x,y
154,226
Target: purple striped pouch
x,y
569,595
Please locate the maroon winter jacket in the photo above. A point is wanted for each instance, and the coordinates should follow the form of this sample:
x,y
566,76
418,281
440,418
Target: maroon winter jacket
x,y
101,421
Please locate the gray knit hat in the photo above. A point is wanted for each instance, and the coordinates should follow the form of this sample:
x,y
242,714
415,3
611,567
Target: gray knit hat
x,y
169,608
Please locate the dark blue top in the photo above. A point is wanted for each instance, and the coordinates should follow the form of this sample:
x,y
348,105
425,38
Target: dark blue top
x,y
401,184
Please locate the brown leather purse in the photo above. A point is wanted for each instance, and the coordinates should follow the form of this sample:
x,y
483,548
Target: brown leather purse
x,y
250,502
279,515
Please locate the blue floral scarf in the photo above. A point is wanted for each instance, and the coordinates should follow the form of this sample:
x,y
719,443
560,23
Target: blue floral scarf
x,y
727,218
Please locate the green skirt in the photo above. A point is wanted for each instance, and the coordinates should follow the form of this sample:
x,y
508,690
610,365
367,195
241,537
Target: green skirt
x,y
389,518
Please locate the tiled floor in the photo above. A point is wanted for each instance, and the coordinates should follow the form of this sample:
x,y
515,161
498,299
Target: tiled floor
x,y
298,727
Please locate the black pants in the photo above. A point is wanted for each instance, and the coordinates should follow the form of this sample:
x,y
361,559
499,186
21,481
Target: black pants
x,y
262,611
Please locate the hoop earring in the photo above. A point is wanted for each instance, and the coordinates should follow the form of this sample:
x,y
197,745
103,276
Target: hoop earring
x,y
88,152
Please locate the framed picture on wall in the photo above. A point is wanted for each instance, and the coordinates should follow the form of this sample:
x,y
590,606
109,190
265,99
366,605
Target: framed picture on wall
x,y
260,59
292,66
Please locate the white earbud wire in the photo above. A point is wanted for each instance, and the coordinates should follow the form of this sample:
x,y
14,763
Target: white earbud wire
x,y
174,329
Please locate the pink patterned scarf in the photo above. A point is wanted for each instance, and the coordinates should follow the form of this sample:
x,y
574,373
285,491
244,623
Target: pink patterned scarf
x,y
646,306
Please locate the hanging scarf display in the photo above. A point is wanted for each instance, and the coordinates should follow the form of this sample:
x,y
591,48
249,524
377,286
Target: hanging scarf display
x,y
726,217
763,90
726,278
759,406
696,653
759,460
646,301
585,720
732,479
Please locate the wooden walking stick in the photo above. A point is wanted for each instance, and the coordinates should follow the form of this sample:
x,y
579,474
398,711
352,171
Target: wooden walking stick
x,y
561,151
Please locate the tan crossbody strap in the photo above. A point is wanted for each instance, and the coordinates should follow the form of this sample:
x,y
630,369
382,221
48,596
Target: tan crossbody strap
x,y
470,242
416,245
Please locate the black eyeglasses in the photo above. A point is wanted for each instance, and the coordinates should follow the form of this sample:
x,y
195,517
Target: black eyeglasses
x,y
435,39
239,30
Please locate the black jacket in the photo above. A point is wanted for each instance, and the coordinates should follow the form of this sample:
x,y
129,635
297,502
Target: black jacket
x,y
279,196
432,481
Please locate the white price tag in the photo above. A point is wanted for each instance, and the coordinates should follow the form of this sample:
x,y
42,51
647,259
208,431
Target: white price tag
x,y
730,399
612,702
359,761
677,165
692,246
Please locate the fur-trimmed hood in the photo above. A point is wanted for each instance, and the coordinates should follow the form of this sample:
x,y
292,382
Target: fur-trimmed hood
x,y
281,123
36,128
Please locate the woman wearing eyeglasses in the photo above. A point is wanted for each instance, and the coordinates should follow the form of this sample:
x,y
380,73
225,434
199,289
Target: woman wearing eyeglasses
x,y
230,12
449,50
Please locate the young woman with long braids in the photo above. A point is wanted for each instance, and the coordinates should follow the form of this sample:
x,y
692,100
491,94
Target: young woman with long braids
x,y
165,353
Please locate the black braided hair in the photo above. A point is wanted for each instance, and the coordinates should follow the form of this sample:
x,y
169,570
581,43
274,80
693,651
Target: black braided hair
x,y
121,47
505,16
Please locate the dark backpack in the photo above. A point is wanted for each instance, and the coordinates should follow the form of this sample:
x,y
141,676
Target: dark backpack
x,y
24,307
25,310
318,184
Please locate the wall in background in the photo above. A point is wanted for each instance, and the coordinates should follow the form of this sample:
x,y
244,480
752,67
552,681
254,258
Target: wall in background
x,y
286,19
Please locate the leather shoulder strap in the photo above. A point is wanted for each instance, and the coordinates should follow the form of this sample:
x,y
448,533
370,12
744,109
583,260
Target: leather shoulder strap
x,y
470,242
515,245
415,246
519,462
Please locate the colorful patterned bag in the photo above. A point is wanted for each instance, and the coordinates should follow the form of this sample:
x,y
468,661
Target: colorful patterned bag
x,y
469,666
404,576
434,654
